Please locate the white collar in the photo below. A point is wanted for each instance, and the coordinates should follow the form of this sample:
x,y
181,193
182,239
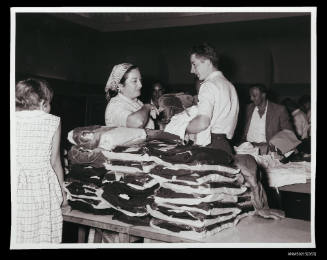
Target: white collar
x,y
212,75
265,107
296,111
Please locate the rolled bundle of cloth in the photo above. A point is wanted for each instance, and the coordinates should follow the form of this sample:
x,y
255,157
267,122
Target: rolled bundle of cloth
x,y
108,138
174,103
95,136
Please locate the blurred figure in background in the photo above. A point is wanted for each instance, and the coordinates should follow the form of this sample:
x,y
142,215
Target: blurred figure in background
x,y
264,119
157,91
305,105
298,118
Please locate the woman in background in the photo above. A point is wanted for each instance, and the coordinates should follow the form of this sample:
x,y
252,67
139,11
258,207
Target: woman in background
x,y
124,109
40,192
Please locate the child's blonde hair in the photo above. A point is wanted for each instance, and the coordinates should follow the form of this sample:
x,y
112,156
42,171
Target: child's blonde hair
x,y
30,93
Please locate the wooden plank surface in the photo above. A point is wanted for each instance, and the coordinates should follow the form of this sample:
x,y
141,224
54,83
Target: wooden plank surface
x,y
99,221
250,229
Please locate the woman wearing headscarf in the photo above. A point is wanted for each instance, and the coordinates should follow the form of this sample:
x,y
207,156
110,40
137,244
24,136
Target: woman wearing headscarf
x,y
124,109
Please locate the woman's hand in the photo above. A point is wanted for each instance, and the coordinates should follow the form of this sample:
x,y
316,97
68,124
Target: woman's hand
x,y
65,208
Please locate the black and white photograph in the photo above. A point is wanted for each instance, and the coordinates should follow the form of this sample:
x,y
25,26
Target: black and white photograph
x,y
163,127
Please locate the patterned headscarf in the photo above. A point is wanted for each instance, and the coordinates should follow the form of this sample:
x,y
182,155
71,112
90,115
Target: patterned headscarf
x,y
116,75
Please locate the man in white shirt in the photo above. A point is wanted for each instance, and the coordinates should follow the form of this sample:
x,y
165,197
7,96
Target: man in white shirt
x,y
218,109
218,104
305,106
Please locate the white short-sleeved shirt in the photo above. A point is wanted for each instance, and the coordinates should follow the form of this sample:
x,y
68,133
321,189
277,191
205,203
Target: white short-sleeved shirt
x,y
119,108
301,123
257,128
219,101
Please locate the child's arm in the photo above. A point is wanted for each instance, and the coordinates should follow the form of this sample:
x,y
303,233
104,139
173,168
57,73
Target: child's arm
x,y
56,162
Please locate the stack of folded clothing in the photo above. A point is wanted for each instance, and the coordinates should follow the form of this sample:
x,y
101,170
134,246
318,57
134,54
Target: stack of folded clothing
x,y
106,176
159,182
198,199
128,188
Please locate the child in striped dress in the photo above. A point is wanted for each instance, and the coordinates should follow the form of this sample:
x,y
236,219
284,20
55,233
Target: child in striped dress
x,y
40,197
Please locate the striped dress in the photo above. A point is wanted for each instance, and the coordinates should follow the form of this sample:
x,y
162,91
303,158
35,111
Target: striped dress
x,y
38,198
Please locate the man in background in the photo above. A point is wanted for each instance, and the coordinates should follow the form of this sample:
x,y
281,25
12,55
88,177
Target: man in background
x,y
263,118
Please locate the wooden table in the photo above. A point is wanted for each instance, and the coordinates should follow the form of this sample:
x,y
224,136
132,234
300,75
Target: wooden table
x,y
251,229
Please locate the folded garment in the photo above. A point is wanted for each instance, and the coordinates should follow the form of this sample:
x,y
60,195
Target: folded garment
x,y
139,181
86,174
179,122
188,218
206,208
193,155
163,195
129,169
77,188
127,199
82,156
193,177
159,145
284,141
118,188
88,208
160,135
135,221
287,174
91,137
133,149
93,198
246,148
233,188
193,232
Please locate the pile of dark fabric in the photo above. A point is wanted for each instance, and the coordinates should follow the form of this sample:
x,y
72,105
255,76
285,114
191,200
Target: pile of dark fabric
x,y
160,182
200,197
99,183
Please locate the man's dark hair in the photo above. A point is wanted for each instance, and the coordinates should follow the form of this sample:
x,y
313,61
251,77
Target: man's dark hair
x,y
204,50
259,86
304,99
290,104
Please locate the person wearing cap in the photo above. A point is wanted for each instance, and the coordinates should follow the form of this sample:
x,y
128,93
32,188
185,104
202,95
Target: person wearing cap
x,y
122,90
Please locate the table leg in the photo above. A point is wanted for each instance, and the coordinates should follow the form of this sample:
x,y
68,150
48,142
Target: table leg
x,y
97,236
81,234
124,238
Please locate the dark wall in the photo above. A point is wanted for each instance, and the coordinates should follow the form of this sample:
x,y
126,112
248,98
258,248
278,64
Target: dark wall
x,y
78,60
274,51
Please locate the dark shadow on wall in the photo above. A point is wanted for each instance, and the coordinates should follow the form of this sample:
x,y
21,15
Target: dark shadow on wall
x,y
227,65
